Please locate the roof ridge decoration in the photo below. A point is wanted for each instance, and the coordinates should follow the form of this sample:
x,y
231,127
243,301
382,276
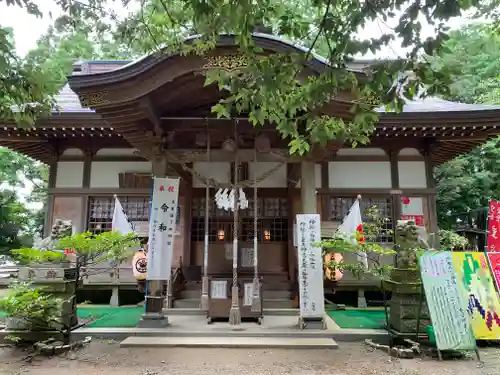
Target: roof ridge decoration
x,y
227,62
95,98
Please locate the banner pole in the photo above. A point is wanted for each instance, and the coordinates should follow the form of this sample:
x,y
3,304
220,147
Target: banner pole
x,y
146,291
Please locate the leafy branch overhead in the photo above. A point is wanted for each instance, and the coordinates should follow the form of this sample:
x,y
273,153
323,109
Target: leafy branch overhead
x,y
272,88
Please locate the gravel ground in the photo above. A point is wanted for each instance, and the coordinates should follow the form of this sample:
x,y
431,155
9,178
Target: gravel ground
x,y
104,357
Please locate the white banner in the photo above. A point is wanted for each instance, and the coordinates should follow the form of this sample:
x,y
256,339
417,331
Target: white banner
x,y
312,304
162,228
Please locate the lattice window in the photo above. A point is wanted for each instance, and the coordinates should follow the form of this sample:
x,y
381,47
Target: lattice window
x,y
272,224
101,211
339,208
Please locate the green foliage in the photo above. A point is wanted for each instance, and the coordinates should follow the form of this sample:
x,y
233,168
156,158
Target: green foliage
x,y
106,246
18,223
472,55
28,256
449,240
13,218
34,308
372,229
468,182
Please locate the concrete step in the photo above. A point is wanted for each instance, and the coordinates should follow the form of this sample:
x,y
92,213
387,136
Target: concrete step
x,y
184,311
230,342
271,303
268,294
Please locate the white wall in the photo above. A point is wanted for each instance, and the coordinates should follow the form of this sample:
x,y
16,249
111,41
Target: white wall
x,y
359,174
361,152
72,152
219,171
104,174
277,179
116,152
69,174
412,174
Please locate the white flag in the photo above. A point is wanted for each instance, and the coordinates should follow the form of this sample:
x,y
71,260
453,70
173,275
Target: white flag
x,y
352,226
120,221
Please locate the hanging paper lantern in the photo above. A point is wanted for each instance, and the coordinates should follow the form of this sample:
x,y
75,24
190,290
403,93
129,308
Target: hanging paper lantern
x,y
140,265
333,275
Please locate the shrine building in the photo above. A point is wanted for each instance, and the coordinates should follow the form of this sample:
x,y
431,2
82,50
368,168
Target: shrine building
x,y
119,122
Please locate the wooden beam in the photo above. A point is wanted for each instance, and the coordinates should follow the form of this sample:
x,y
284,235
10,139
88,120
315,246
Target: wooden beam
x,y
22,138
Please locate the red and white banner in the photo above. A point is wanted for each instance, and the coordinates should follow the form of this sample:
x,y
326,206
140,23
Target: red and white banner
x,y
493,244
162,228
494,260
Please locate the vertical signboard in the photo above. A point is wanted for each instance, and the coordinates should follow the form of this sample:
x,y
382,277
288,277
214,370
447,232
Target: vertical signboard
x,y
446,302
493,243
475,279
162,228
312,304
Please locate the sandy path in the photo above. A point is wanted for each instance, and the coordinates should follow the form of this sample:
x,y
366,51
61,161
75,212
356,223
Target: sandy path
x,y
108,358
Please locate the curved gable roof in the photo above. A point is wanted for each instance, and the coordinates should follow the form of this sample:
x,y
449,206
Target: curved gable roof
x,y
141,65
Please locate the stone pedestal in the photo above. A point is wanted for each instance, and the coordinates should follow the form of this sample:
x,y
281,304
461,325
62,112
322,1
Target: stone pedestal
x,y
407,306
153,316
57,280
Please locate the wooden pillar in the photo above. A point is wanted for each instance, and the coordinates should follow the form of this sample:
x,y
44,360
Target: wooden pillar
x,y
429,175
49,205
87,169
396,198
292,173
154,317
186,232
308,187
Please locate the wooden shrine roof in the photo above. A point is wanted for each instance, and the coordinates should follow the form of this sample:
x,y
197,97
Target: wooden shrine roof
x,y
102,105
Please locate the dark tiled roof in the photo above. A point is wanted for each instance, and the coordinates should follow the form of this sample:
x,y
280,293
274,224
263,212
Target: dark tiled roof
x,y
68,102
434,104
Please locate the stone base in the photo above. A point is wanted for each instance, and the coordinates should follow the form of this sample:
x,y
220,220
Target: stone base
x,y
115,297
405,309
153,320
362,303
312,323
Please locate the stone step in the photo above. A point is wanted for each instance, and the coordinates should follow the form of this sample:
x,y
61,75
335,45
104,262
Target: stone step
x,y
197,311
268,294
278,285
275,303
230,342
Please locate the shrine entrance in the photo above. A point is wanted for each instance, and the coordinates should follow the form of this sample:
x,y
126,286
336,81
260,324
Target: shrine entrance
x,y
272,234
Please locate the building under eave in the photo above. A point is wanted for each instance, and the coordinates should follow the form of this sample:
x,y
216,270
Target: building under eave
x,y
116,117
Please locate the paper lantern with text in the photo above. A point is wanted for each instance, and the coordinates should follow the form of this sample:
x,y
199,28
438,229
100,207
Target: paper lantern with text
x,y
333,275
140,265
